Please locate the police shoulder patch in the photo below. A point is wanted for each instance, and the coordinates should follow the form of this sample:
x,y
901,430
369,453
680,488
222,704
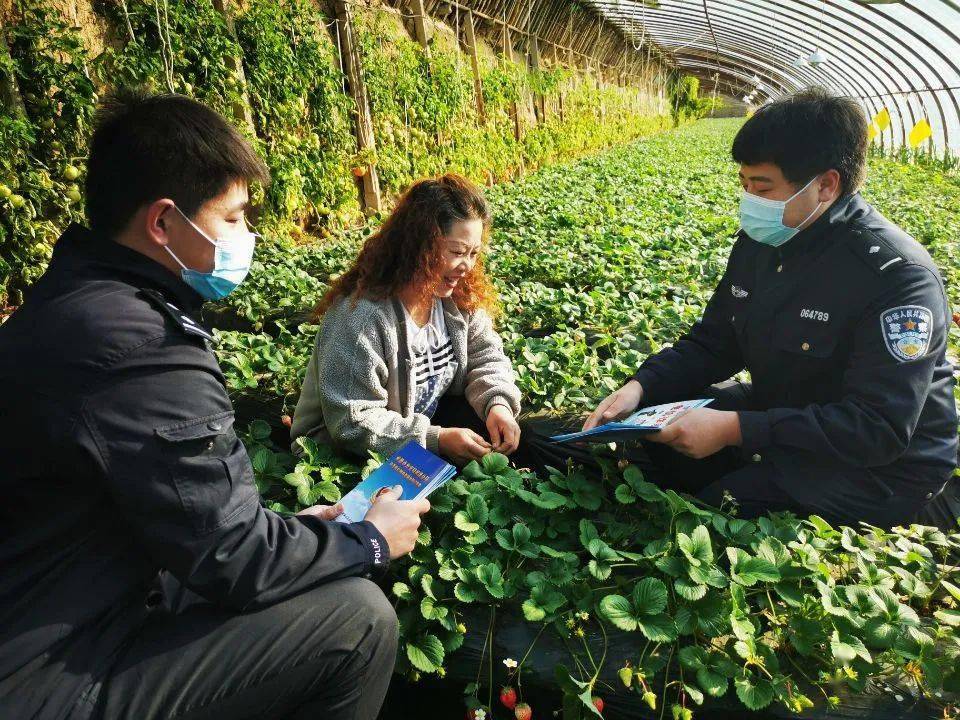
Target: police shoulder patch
x,y
187,324
906,331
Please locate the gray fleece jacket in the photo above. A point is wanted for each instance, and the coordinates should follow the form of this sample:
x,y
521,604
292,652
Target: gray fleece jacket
x,y
358,392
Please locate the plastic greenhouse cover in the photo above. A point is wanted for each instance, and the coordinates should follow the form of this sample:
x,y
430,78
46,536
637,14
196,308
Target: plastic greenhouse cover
x,y
903,56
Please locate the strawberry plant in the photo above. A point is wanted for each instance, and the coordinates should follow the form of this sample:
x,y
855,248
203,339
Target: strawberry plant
x,y
781,610
599,263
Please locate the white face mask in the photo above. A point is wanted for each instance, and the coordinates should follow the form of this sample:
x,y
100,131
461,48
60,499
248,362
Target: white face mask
x,y
762,219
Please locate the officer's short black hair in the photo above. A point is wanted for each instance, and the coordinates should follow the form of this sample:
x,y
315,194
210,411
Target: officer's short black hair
x,y
805,134
149,146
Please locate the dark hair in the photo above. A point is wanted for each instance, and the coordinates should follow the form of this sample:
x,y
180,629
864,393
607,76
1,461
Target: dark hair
x,y
407,247
147,146
806,134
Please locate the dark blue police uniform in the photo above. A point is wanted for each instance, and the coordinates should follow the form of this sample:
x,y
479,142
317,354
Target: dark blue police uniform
x,y
850,410
119,467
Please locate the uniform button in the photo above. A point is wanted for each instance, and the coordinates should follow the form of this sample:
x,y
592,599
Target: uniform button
x,y
215,426
757,457
154,598
779,268
805,346
929,495
733,318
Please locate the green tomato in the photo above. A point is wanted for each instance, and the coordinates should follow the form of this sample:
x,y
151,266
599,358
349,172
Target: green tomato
x,y
17,201
73,193
70,173
5,191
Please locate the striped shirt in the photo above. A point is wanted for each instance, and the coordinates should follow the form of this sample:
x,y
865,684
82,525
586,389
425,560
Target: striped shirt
x,y
432,354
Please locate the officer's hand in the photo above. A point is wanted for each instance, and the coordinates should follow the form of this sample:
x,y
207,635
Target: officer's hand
x,y
324,512
616,406
461,445
701,432
398,521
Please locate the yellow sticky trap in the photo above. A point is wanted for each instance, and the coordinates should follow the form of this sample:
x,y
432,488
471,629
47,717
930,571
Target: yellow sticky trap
x,y
882,119
872,132
921,131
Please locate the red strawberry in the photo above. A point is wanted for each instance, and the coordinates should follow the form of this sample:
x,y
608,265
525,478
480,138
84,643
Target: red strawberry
x,y
287,421
508,696
523,712
598,704
956,318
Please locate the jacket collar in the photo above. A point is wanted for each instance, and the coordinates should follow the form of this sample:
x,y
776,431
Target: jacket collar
x,y
840,214
81,247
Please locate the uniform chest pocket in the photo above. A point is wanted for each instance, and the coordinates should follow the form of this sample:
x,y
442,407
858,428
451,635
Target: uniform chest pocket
x,y
805,338
210,469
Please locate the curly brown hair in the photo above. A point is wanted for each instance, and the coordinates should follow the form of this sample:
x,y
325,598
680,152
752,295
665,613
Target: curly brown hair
x,y
406,250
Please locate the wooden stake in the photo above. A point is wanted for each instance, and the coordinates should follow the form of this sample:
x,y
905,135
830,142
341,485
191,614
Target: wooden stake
x,y
9,91
534,57
474,64
241,107
370,182
420,25
514,105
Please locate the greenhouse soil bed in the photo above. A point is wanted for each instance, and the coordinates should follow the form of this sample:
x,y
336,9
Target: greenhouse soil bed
x,y
432,697
435,699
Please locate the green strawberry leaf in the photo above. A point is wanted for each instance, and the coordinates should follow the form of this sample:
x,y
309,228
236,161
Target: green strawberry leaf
x,y
658,628
649,596
755,693
619,611
425,653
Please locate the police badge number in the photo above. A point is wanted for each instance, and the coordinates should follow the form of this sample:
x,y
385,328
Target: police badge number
x,y
906,331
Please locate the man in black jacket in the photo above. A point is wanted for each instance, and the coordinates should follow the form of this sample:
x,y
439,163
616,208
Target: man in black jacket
x,y
124,482
841,320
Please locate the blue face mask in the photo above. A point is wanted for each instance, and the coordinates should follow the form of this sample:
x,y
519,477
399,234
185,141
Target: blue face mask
x,y
762,219
231,263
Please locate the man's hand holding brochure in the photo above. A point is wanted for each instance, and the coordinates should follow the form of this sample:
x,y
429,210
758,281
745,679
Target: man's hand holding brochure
x,y
386,496
691,428
642,423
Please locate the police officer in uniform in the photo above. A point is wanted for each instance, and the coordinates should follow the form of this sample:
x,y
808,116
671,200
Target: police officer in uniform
x,y
841,319
140,576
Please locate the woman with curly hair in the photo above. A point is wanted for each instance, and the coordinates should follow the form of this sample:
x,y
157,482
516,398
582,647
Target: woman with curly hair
x,y
407,348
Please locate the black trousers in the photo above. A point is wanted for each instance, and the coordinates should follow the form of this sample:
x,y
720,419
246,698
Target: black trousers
x,y
326,653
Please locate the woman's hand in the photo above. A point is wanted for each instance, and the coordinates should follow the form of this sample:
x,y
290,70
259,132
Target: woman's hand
x,y
461,445
503,428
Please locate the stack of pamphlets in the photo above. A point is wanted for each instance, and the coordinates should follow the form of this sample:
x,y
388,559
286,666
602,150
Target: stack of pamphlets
x,y
416,471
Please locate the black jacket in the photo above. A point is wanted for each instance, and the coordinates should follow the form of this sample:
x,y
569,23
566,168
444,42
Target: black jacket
x,y
118,458
844,332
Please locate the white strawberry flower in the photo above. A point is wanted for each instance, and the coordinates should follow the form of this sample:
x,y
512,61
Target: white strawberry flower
x,y
510,663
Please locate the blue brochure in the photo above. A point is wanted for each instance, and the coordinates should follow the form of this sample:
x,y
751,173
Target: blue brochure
x,y
412,468
644,421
